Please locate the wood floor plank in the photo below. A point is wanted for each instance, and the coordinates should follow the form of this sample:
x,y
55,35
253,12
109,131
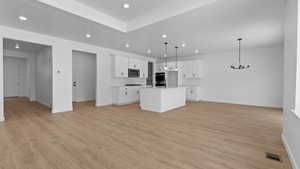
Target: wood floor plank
x,y
200,135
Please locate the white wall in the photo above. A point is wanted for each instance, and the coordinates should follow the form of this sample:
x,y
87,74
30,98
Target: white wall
x,y
261,85
291,123
15,77
62,67
44,76
84,74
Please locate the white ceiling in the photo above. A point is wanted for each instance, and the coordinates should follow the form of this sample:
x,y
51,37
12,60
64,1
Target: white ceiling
x,y
137,8
112,14
10,44
210,28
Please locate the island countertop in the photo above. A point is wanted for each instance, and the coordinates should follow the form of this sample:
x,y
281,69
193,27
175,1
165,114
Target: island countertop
x,y
162,88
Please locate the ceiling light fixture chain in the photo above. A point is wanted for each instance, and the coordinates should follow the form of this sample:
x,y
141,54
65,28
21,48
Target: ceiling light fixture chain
x,y
176,48
166,55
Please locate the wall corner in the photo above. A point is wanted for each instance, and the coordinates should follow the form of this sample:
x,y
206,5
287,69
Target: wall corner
x,y
289,151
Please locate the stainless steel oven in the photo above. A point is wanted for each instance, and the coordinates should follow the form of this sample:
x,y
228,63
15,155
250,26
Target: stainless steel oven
x,y
133,73
160,79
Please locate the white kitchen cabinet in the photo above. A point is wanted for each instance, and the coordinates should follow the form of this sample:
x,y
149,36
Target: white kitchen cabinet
x,y
134,63
123,63
126,95
197,69
187,69
193,93
192,69
172,66
121,66
160,67
143,69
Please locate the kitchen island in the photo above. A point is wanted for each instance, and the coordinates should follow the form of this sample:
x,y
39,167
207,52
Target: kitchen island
x,y
162,99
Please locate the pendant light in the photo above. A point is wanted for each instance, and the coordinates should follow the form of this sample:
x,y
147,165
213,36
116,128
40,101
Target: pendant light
x,y
166,56
176,50
17,46
240,66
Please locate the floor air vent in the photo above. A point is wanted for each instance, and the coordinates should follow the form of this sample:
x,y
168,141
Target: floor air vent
x,y
272,156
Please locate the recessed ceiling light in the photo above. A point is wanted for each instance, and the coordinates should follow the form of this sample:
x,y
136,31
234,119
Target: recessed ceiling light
x,y
165,55
197,51
127,45
183,45
17,46
88,35
149,51
164,36
126,5
23,18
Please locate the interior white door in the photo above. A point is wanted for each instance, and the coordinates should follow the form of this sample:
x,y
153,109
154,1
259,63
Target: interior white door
x,y
74,76
22,69
14,77
84,76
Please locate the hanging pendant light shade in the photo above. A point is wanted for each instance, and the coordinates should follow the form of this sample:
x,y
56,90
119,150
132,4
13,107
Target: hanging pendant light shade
x,y
176,50
166,56
17,46
239,66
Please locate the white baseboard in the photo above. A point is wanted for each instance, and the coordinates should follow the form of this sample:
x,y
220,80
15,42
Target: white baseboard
x,y
2,118
243,104
125,103
104,105
44,103
290,154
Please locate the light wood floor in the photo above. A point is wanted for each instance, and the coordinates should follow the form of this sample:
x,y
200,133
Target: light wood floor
x,y
198,136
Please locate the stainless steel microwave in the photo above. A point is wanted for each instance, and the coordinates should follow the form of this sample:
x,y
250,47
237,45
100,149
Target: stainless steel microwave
x,y
133,73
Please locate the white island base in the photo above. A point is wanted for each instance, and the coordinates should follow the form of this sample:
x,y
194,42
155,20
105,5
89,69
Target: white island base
x,y
162,99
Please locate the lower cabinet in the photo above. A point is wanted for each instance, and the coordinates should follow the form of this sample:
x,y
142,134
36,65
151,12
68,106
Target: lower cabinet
x,y
193,93
125,95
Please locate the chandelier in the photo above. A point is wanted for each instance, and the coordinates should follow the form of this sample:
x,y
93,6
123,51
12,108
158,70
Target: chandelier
x,y
240,66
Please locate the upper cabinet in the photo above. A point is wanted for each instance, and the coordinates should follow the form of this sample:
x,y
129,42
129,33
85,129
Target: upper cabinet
x,y
160,67
121,66
134,63
123,63
172,66
193,69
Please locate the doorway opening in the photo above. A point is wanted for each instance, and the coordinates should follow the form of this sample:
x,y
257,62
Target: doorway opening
x,y
84,68
27,76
